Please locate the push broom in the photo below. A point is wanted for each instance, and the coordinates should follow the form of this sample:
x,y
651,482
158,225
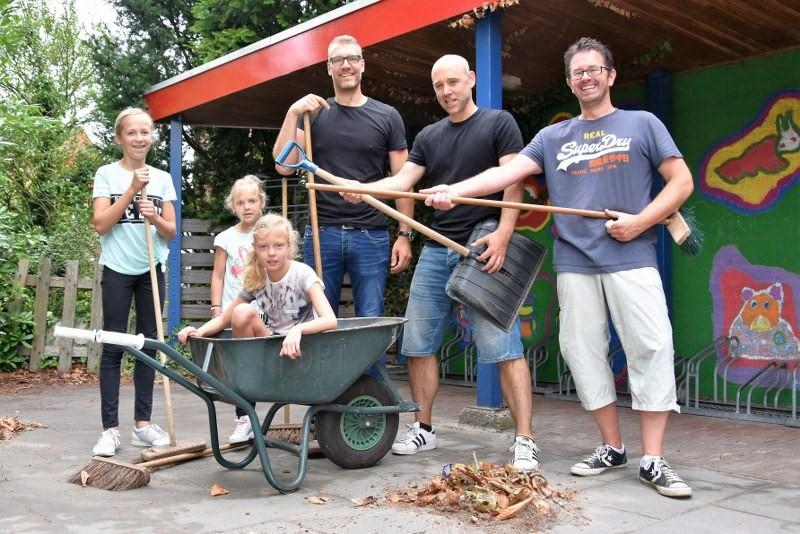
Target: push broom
x,y
115,475
681,227
106,470
174,448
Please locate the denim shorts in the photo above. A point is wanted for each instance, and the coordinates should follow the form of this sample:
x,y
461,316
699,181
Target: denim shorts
x,y
430,310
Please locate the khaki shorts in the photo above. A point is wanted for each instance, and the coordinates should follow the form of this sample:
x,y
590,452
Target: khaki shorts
x,y
635,300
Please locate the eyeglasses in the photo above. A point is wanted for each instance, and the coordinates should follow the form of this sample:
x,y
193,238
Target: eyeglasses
x,y
594,70
339,60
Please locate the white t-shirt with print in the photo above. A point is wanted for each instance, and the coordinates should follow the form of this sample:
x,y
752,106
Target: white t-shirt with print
x,y
124,248
236,245
285,302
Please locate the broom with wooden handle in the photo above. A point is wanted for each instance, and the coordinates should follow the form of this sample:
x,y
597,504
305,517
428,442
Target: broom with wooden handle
x,y
115,475
151,453
679,227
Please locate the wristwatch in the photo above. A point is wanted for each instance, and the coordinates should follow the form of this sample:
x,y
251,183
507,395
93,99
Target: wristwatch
x,y
403,233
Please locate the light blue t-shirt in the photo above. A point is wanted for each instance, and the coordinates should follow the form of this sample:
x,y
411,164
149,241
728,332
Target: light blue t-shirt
x,y
124,248
606,163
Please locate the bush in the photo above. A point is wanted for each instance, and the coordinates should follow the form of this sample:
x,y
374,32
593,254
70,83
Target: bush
x,y
16,315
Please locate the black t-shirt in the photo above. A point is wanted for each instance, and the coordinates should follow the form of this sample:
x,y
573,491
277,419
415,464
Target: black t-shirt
x,y
452,152
354,143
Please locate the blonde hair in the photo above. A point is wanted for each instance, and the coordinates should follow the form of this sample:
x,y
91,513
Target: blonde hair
x,y
248,180
128,112
342,39
255,276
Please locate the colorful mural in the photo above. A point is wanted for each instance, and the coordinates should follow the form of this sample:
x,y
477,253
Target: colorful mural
x,y
753,168
758,305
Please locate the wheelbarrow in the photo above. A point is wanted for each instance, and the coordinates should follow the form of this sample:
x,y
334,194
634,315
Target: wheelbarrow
x,y
355,416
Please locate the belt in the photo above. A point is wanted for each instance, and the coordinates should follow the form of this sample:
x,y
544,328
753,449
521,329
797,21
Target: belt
x,y
351,227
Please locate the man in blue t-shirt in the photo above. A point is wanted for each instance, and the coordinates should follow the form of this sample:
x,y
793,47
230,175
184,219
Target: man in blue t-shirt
x,y
607,158
360,138
467,141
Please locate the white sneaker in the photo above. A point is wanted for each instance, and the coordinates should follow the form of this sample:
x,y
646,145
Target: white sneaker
x,y
526,454
108,443
414,440
149,436
243,430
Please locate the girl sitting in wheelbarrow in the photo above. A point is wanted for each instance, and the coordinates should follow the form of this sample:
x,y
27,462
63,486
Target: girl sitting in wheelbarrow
x,y
289,292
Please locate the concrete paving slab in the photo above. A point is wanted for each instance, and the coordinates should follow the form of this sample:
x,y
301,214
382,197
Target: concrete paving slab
x,y
35,465
714,519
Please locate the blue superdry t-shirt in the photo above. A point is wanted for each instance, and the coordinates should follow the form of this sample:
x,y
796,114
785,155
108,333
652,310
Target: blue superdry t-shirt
x,y
606,163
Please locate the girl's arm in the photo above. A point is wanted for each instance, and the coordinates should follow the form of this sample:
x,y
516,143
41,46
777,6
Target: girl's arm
x,y
212,326
105,214
218,280
325,320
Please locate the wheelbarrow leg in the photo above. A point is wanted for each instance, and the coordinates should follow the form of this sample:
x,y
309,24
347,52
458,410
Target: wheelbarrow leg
x,y
261,443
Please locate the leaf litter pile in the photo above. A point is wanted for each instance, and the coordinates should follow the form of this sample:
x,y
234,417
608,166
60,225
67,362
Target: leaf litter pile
x,y
10,426
489,492
25,381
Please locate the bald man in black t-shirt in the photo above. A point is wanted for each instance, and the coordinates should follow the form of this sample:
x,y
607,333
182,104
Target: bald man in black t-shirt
x,y
469,140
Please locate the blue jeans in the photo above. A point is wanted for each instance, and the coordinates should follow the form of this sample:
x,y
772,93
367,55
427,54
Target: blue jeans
x,y
430,308
363,253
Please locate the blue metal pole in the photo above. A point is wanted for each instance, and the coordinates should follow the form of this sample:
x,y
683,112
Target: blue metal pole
x,y
659,93
174,261
489,94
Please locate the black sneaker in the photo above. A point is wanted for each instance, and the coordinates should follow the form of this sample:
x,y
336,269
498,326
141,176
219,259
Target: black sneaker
x,y
664,479
602,459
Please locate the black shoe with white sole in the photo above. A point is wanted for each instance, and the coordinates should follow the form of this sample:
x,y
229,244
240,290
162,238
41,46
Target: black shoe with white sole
x,y
601,460
664,479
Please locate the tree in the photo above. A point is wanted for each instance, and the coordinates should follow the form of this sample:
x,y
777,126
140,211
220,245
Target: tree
x,y
43,61
44,83
46,162
225,26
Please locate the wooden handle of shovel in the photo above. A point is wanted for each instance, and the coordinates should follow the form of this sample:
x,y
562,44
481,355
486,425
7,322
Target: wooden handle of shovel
x,y
464,200
312,198
159,324
676,224
391,212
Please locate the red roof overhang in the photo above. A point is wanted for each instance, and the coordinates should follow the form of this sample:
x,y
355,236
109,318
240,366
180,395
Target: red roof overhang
x,y
372,23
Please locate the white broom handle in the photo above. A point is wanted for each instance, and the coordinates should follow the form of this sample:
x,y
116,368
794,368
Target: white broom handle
x,y
101,336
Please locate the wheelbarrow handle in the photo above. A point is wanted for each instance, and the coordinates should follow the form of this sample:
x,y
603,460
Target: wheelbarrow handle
x,y
303,163
101,336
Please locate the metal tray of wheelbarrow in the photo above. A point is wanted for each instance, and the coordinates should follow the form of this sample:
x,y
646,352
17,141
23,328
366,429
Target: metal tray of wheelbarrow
x,y
330,362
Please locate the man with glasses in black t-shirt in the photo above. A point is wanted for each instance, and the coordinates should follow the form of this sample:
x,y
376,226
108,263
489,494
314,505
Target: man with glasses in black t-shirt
x,y
360,138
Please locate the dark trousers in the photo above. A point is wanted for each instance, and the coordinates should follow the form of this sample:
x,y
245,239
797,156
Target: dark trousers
x,y
118,292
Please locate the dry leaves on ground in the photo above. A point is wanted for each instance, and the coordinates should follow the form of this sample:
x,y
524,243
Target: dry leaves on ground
x,y
9,426
366,501
217,490
21,380
489,492
321,499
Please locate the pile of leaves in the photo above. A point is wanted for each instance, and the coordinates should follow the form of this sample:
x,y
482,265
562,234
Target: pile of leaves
x,y
9,426
21,380
489,492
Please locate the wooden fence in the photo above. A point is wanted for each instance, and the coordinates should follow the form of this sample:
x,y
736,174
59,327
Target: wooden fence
x,y
43,282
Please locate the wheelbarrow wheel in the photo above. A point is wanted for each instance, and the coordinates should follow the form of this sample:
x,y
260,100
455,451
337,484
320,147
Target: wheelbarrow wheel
x,y
354,441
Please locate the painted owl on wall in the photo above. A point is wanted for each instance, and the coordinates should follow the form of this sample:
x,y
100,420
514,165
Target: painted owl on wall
x,y
762,331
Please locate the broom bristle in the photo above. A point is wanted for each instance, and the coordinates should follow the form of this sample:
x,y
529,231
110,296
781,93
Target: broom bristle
x,y
694,243
104,473
288,433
